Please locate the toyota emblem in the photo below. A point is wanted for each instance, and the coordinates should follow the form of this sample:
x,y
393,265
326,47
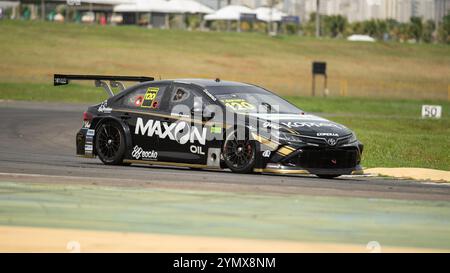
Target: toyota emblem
x,y
331,141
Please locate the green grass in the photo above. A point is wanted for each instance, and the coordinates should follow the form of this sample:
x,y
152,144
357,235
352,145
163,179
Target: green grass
x,y
72,93
412,142
34,51
423,224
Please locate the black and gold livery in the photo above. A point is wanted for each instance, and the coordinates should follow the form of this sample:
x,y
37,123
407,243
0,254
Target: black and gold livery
x,y
201,123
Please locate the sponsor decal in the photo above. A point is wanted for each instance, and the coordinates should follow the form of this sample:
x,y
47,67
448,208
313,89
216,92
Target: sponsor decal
x,y
138,101
216,130
104,107
238,104
89,142
268,124
266,153
309,124
179,131
285,117
149,98
139,153
61,81
328,134
86,124
331,141
196,150
209,94
180,115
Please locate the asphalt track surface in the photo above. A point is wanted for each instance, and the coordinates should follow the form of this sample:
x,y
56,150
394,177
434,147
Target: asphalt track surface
x,y
39,139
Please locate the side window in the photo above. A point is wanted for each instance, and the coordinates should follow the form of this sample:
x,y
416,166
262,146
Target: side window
x,y
145,97
180,95
186,96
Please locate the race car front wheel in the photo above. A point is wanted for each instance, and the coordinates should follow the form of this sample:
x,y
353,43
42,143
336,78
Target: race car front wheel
x,y
110,143
239,154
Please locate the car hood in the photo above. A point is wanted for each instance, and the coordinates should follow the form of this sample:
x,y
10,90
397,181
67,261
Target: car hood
x,y
306,125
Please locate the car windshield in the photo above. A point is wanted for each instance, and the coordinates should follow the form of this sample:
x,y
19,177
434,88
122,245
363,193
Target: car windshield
x,y
252,99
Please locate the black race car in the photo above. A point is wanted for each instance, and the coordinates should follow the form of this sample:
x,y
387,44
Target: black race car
x,y
200,123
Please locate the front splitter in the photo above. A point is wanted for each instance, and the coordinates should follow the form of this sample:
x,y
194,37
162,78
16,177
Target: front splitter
x,y
282,169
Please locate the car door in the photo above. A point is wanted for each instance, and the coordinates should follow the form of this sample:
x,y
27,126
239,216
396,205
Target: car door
x,y
145,110
189,136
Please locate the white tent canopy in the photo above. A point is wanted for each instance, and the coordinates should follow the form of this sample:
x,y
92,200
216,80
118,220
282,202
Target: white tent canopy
x,y
106,2
229,13
172,6
8,4
146,6
191,6
101,2
360,38
269,14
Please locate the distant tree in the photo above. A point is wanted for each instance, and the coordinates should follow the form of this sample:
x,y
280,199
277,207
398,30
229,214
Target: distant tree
x,y
370,27
334,25
405,32
337,25
444,30
357,28
416,28
391,23
309,27
428,30
383,28
193,22
392,27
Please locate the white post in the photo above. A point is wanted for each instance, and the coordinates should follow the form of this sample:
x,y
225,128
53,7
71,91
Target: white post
x,y
270,19
317,18
43,10
166,17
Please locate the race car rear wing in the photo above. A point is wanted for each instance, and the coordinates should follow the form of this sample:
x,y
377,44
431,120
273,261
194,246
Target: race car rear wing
x,y
100,80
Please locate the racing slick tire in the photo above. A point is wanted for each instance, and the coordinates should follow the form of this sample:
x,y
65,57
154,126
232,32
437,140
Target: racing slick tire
x,y
239,155
110,143
328,176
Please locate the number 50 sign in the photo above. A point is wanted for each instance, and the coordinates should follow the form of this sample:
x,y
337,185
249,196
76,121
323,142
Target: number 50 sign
x,y
431,111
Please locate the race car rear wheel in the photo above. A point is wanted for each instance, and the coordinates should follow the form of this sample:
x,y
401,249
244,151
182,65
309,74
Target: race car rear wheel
x,y
239,154
110,143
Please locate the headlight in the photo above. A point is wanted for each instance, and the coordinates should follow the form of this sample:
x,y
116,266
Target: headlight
x,y
286,137
352,138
